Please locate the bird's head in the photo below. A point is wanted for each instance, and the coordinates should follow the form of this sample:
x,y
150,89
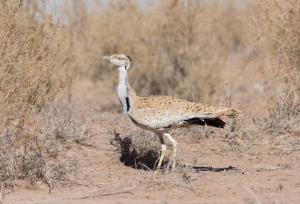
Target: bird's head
x,y
120,60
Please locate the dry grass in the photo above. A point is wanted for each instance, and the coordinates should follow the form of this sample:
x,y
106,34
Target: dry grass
x,y
32,71
43,155
168,43
181,48
277,24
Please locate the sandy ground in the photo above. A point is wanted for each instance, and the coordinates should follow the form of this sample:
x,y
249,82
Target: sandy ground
x,y
267,171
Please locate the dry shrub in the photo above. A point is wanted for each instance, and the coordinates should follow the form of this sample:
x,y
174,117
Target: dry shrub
x,y
32,69
43,158
277,24
168,42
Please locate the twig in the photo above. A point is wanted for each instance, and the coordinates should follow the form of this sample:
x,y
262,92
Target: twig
x,y
145,166
84,129
105,194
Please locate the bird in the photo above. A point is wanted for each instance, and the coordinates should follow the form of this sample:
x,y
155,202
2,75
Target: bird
x,y
160,114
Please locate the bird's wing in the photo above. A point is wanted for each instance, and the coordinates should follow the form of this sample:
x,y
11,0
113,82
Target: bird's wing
x,y
165,111
156,119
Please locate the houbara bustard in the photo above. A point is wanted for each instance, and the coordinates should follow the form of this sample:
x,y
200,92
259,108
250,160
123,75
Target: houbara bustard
x,y
159,114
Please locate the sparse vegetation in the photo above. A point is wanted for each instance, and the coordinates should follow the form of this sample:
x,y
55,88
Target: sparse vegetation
x,y
277,24
33,69
208,52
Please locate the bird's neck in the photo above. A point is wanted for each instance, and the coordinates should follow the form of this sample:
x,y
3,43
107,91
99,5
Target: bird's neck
x,y
125,92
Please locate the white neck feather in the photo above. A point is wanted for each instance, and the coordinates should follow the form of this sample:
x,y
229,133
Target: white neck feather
x,y
123,89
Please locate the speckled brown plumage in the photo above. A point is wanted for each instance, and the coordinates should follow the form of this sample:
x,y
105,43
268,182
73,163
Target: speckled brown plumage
x,y
159,112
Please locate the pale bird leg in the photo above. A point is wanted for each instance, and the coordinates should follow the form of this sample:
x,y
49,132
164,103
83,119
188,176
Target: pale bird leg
x,y
162,155
174,144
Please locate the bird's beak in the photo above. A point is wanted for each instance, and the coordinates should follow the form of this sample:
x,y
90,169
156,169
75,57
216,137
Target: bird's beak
x,y
106,57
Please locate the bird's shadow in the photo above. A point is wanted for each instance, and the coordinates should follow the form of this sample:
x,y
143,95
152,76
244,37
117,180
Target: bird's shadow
x,y
149,159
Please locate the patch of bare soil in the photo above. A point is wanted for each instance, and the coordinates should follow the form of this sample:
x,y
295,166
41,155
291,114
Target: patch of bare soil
x,y
266,170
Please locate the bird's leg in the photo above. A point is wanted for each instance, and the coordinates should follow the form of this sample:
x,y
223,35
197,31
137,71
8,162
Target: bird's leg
x,y
162,155
174,144
163,150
